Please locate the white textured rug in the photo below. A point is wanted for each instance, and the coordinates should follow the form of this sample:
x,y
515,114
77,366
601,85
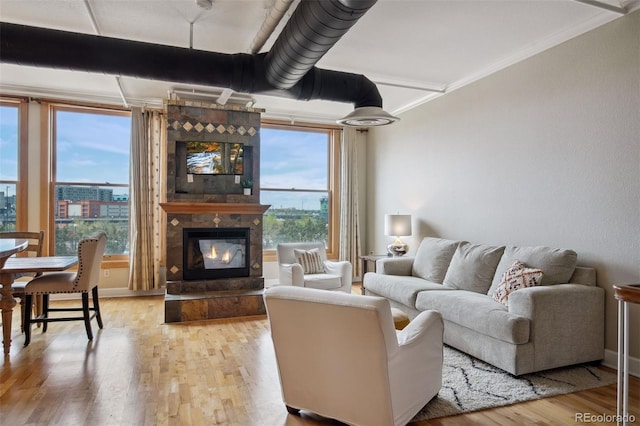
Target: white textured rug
x,y
469,384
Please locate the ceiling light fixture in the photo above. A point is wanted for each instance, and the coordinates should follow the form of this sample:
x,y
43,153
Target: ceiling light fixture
x,y
367,117
205,4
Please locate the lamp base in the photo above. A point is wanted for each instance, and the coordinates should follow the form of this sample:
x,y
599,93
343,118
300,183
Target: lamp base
x,y
397,248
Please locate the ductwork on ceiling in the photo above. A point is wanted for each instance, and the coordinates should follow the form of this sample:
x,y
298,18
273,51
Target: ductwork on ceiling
x,y
287,70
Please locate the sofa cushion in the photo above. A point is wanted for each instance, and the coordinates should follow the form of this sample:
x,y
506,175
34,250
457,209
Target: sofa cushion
x,y
516,277
473,267
476,312
558,264
323,281
398,288
432,258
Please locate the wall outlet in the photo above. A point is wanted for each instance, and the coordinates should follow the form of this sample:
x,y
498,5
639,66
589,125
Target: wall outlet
x,y
107,272
237,178
189,178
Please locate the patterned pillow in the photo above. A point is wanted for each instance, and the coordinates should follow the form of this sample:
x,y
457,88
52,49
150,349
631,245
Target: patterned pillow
x,y
516,277
310,260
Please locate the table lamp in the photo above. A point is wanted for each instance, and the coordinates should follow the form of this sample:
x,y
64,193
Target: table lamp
x,y
397,225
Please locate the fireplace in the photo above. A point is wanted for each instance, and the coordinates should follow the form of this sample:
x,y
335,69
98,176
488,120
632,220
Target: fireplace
x,y
213,253
213,233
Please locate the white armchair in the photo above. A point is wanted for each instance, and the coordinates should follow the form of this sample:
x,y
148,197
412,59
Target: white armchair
x,y
338,355
333,275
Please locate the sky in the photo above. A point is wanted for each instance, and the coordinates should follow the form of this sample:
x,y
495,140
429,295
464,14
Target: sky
x,y
95,148
8,143
92,148
293,159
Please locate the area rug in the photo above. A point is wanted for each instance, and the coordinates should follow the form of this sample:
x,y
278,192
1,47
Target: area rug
x,y
469,384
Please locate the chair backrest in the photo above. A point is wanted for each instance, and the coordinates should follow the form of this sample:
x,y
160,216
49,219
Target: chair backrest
x,y
286,255
90,252
35,239
331,346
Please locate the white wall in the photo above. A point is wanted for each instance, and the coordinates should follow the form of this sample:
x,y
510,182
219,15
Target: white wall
x,y
545,152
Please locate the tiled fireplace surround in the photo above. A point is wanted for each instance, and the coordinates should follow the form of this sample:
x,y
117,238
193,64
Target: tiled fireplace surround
x,y
214,201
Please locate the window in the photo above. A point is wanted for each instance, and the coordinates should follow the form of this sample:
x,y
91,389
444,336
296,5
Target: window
x,y
297,178
13,173
90,177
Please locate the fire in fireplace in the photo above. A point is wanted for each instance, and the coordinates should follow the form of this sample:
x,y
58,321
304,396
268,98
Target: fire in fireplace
x,y
211,253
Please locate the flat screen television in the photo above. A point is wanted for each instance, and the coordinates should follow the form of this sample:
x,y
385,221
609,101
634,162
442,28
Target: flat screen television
x,y
215,158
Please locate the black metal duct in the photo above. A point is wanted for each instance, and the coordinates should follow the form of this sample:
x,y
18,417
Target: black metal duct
x,y
33,46
313,29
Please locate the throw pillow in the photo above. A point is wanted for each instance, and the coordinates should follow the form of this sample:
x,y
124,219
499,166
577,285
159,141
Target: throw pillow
x,y
432,259
516,277
558,264
310,260
472,267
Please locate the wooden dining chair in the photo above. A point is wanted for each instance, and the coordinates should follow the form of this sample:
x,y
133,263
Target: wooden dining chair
x,y
83,281
34,249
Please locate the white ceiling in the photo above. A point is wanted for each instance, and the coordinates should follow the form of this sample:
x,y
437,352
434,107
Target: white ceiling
x,y
414,50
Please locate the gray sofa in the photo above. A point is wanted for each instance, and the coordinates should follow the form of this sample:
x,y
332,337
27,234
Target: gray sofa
x,y
557,322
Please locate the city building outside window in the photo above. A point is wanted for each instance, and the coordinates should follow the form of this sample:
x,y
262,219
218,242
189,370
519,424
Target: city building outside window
x,y
297,178
91,177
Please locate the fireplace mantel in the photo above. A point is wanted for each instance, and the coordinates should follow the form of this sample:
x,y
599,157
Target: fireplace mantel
x,y
212,208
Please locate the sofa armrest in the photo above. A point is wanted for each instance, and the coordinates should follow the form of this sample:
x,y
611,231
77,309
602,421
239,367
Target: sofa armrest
x,y
426,322
342,268
291,274
395,266
568,301
567,321
415,368
583,275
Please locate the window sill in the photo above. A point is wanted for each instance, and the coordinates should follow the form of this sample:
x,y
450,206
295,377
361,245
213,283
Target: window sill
x,y
109,262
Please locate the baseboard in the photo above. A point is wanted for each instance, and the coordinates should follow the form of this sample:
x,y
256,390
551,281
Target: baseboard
x,y
611,360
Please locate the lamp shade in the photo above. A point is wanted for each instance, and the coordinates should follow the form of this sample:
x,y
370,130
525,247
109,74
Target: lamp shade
x,y
397,225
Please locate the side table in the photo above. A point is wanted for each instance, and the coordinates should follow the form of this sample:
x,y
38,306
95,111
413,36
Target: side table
x,y
625,294
369,258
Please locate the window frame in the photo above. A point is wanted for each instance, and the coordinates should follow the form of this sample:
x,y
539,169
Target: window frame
x,y
49,152
22,184
334,134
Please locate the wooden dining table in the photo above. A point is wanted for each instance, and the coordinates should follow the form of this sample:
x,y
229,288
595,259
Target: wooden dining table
x,y
8,247
10,267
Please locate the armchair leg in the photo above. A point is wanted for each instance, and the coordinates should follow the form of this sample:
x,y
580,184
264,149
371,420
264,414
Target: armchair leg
x,y
37,306
87,315
96,305
26,320
294,411
45,311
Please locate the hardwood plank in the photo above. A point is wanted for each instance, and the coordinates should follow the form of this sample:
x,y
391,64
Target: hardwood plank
x,y
141,371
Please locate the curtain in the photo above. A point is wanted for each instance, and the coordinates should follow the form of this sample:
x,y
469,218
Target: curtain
x,y
349,232
145,191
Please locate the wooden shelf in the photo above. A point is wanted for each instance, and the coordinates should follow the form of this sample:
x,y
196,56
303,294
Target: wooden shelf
x,y
205,208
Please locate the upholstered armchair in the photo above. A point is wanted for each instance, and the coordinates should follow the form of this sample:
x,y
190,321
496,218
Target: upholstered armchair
x,y
338,355
306,265
83,281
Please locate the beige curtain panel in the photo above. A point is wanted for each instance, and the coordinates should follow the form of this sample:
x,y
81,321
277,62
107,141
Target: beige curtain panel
x,y
146,192
349,233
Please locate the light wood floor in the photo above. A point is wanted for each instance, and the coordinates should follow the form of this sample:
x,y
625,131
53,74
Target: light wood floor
x,y
140,371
